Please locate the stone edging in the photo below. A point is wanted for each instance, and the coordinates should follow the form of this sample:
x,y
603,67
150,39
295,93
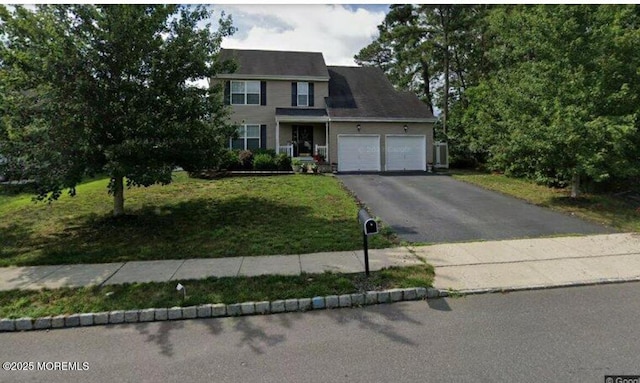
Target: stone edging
x,y
219,310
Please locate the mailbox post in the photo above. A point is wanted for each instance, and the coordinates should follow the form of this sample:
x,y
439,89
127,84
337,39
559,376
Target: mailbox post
x,y
369,227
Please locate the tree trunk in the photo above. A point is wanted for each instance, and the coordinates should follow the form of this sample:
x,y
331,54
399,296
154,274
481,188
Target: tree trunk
x,y
575,185
445,28
118,196
427,85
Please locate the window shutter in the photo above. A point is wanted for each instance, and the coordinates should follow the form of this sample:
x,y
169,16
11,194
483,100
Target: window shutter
x,y
227,92
294,94
310,94
263,93
263,136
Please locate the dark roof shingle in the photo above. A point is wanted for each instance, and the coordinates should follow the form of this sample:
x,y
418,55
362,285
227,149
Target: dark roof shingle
x,y
277,63
305,112
365,92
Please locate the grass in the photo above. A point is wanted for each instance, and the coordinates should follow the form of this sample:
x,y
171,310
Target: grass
x,y
191,218
24,303
601,208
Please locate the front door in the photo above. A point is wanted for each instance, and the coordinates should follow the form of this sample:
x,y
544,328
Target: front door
x,y
302,137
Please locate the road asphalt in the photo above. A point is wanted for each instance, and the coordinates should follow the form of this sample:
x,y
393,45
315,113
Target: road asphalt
x,y
461,267
560,335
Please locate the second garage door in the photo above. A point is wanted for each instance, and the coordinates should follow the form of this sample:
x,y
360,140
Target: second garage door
x,y
406,153
358,153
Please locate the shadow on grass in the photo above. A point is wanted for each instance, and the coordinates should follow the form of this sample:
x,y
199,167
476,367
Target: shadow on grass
x,y
199,228
584,202
13,238
616,212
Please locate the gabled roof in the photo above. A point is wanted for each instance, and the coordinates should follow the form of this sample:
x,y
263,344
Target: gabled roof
x,y
284,65
365,92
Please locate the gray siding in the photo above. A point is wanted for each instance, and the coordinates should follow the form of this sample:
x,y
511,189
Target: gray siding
x,y
278,96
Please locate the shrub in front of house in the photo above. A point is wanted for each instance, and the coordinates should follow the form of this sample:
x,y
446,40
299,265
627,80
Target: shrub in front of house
x,y
229,160
264,161
283,162
245,158
270,152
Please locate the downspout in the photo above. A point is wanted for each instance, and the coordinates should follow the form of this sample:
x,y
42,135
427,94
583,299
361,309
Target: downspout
x,y
326,137
277,135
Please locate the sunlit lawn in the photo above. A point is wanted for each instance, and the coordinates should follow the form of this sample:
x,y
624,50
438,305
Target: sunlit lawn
x,y
191,218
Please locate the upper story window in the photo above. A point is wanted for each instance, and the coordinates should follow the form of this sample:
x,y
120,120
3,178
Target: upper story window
x,y
303,94
245,92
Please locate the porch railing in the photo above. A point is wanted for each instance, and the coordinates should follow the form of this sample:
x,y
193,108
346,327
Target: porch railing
x,y
321,151
288,149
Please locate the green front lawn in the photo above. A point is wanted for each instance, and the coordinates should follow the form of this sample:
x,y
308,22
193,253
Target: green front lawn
x,y
191,218
16,303
602,208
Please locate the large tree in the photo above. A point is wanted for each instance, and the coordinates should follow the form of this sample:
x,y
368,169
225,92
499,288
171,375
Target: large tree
x,y
432,50
562,104
110,89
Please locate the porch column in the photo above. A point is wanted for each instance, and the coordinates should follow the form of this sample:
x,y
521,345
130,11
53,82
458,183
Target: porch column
x,y
326,139
277,136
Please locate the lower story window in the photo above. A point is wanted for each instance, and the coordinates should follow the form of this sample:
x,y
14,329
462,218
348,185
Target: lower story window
x,y
248,138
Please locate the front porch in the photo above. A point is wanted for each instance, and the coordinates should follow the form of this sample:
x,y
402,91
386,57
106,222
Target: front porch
x,y
302,133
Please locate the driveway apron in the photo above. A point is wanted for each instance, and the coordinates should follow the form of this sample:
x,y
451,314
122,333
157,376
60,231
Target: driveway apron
x,y
438,209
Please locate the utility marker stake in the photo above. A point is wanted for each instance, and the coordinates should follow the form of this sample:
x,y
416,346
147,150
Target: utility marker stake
x,y
184,291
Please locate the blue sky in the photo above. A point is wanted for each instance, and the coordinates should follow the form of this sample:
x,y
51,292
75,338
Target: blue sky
x,y
338,31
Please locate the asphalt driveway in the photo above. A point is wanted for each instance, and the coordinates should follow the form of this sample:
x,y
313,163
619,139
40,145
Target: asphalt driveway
x,y
438,209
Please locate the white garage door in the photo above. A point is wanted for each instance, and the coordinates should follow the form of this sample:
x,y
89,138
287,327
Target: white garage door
x,y
358,153
406,153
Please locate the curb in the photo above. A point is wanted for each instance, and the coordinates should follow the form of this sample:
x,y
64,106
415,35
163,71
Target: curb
x,y
219,310
493,290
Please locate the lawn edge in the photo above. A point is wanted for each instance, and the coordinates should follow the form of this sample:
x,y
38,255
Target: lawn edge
x,y
219,310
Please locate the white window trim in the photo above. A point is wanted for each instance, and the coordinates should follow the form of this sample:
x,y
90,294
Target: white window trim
x,y
231,93
245,138
302,94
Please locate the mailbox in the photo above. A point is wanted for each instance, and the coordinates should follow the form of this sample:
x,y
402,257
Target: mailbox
x,y
369,225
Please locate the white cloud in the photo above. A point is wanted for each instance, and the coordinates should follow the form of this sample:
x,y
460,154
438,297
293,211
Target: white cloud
x,y
338,31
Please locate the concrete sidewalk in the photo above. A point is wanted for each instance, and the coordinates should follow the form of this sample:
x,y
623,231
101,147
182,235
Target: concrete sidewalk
x,y
37,277
534,263
464,267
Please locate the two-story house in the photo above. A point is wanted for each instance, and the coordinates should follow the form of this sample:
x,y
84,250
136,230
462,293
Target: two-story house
x,y
294,103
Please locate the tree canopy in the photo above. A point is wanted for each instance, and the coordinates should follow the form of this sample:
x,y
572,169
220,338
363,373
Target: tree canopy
x,y
110,89
548,92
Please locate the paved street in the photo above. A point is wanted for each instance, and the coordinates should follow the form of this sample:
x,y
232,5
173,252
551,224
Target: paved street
x,y
439,209
562,335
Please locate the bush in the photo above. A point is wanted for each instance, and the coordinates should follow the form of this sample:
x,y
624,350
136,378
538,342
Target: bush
x,y
229,160
245,158
283,162
264,162
270,152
